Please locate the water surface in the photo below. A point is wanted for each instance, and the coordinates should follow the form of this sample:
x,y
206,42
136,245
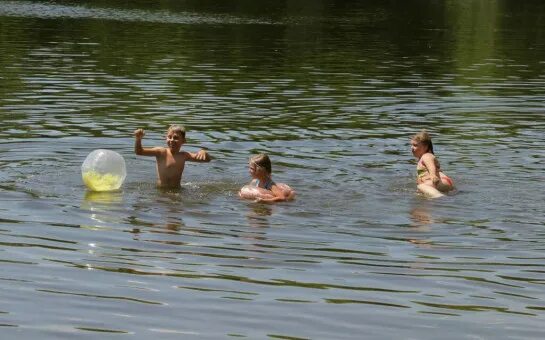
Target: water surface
x,y
332,91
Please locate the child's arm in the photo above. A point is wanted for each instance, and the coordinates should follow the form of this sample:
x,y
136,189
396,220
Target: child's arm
x,y
200,156
279,196
141,151
429,162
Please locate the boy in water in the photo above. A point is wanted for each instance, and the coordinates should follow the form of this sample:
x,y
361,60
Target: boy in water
x,y
170,160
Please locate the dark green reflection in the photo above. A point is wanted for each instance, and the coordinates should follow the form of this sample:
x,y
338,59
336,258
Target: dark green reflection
x,y
73,68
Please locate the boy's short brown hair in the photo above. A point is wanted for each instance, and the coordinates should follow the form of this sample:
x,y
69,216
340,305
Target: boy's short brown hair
x,y
180,129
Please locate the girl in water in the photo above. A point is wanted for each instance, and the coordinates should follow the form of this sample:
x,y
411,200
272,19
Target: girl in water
x,y
262,188
430,179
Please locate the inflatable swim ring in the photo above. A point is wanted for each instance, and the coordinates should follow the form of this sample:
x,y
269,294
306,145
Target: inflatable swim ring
x,y
446,179
252,192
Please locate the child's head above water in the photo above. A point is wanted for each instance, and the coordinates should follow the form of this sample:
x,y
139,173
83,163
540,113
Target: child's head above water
x,y
178,129
423,138
263,161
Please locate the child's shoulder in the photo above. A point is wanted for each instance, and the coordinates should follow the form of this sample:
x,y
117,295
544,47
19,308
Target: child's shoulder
x,y
183,154
427,156
160,149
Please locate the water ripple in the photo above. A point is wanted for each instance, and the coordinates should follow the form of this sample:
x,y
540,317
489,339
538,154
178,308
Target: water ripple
x,y
334,101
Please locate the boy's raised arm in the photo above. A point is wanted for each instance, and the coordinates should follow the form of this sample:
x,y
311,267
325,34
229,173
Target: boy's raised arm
x,y
138,149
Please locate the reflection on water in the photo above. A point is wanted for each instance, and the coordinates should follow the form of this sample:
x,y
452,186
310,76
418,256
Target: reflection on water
x,y
333,92
104,197
421,217
258,215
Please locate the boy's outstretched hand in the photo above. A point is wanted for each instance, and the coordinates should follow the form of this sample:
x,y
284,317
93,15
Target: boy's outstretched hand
x,y
202,156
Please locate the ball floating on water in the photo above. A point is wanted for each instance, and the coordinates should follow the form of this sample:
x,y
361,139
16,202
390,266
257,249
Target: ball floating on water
x,y
103,170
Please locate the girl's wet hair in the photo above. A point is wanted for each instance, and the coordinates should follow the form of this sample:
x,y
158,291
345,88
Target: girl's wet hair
x,y
424,138
177,129
263,161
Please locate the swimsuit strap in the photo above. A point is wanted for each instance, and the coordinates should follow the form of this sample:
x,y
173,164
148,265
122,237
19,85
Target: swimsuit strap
x,y
267,185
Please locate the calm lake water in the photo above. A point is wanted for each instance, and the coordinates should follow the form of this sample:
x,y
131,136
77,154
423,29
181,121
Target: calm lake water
x,y
332,90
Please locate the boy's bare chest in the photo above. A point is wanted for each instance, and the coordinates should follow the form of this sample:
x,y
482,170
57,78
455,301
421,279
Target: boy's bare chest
x,y
173,161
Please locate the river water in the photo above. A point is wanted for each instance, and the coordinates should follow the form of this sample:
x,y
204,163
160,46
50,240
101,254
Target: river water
x,y
332,91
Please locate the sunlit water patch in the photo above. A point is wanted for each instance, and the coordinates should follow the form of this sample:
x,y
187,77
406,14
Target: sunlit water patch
x,y
58,11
